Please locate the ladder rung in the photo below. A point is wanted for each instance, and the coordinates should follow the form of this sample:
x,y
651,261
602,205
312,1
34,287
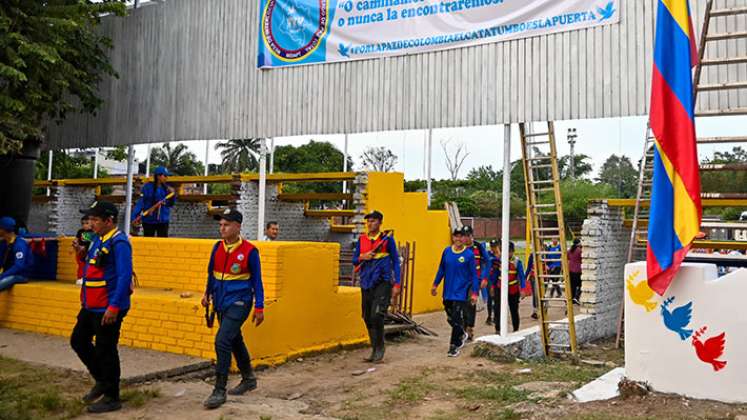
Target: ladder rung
x,y
536,134
546,213
565,346
558,322
716,140
724,61
541,166
544,206
542,182
537,143
721,112
729,12
543,237
541,190
725,36
553,300
537,158
550,276
722,86
547,229
551,260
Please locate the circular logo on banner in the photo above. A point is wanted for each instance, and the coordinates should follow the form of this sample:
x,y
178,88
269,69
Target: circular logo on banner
x,y
293,30
235,268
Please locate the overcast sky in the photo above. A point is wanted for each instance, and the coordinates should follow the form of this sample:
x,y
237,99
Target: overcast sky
x,y
597,138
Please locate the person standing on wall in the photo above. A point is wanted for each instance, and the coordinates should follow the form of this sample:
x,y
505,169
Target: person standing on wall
x,y
574,268
15,253
482,264
272,230
153,209
234,286
516,282
377,261
105,300
458,271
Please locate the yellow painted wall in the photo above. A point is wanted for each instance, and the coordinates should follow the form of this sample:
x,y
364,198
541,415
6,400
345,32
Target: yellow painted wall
x,y
305,311
408,215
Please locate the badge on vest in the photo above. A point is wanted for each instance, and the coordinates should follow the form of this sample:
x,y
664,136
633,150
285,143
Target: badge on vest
x,y
461,259
235,268
240,257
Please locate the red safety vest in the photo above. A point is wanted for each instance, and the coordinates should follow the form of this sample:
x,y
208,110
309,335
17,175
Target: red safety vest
x,y
513,278
478,258
368,244
233,265
94,293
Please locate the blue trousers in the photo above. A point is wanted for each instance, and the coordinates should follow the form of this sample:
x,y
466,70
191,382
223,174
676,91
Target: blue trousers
x,y
229,340
8,282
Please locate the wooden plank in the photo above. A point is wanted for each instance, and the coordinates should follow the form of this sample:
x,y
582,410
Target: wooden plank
x,y
314,197
329,213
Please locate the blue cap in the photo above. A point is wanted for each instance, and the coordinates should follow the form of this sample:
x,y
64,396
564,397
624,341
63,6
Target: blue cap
x,y
7,224
161,171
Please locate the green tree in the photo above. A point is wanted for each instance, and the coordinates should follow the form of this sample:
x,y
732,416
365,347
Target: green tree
x,y
485,178
67,165
619,173
581,163
315,156
177,159
240,155
576,195
51,62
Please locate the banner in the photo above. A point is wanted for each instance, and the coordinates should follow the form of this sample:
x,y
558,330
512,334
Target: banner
x,y
295,32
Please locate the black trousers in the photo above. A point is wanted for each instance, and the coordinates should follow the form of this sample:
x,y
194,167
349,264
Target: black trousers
x,y
576,285
554,284
470,314
229,341
513,308
101,359
375,303
455,311
152,230
489,303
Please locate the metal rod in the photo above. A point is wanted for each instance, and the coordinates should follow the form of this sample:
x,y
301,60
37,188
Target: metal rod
x,y
505,233
147,163
96,163
272,155
49,172
262,186
128,188
429,156
207,160
345,163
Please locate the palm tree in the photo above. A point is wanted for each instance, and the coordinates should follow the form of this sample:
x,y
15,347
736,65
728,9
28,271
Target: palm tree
x,y
239,155
177,159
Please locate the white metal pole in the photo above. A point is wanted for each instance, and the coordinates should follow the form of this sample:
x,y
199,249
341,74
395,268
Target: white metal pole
x,y
147,163
49,172
128,191
429,156
272,155
425,154
207,156
262,186
505,234
96,163
345,163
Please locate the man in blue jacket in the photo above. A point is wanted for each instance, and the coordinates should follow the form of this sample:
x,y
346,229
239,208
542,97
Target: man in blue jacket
x,y
234,285
458,271
15,253
105,300
377,261
156,222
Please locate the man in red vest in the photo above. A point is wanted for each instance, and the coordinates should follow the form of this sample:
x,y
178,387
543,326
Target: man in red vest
x,y
377,261
234,285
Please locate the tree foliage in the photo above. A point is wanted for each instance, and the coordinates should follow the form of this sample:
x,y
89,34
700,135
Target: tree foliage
x,y
177,159
378,159
618,172
315,156
240,155
51,62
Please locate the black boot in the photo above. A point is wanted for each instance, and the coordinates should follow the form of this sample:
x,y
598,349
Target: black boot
x,y
248,382
372,340
105,405
95,393
378,350
218,397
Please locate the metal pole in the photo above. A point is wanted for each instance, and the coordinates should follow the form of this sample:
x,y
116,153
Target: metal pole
x,y
505,234
96,163
572,157
128,191
345,163
207,155
425,153
272,155
429,156
49,172
147,163
262,186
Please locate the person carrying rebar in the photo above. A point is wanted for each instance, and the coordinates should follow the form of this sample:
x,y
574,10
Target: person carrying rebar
x,y
377,261
153,209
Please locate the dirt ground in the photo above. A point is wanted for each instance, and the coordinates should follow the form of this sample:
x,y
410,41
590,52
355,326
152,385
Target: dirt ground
x,y
418,381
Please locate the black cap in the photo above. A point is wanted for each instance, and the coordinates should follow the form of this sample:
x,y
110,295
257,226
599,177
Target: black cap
x,y
458,231
467,230
374,215
103,209
231,215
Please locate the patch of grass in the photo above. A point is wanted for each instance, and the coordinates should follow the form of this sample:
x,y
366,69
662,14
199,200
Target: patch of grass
x,y
504,394
29,391
505,414
138,397
412,389
265,417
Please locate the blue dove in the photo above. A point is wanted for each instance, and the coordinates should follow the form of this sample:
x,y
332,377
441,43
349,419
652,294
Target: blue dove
x,y
678,319
606,12
343,50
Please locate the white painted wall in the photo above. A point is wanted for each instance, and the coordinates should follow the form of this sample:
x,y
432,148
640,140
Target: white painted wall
x,y
657,354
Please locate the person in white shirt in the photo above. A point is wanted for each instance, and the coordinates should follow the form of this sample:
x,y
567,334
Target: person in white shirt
x,y
272,229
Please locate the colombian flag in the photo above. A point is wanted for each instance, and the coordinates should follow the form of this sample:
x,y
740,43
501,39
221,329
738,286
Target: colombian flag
x,y
676,211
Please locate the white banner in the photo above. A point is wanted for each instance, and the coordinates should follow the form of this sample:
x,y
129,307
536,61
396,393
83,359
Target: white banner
x,y
294,32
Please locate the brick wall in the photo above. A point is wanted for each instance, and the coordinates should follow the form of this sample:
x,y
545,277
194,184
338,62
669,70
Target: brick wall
x,y
38,220
64,214
489,228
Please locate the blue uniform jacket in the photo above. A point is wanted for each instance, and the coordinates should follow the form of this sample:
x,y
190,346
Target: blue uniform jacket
x,y
18,258
459,273
150,195
554,264
117,271
373,272
226,293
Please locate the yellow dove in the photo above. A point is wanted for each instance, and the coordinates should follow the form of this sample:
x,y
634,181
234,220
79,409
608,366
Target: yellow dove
x,y
640,293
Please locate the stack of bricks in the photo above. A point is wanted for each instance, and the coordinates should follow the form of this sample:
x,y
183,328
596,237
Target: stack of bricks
x,y
359,202
605,241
